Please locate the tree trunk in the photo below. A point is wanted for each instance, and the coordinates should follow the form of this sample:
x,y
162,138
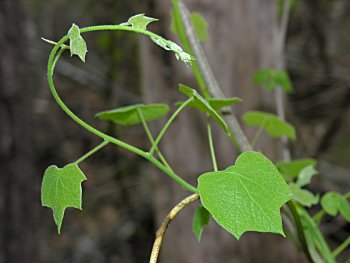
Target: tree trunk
x,y
18,183
242,37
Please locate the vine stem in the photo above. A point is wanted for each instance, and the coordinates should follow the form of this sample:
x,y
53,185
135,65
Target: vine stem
x,y
341,247
88,154
50,69
164,226
166,126
211,145
150,137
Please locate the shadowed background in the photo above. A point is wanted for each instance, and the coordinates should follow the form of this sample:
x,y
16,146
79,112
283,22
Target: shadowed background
x,y
125,198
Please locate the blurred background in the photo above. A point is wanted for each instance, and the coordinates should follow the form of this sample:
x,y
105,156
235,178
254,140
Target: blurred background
x,y
125,199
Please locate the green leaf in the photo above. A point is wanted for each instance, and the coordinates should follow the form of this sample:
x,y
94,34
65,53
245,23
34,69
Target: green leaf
x,y
169,45
61,188
273,126
291,170
271,79
77,43
246,196
201,104
302,196
200,26
200,220
129,115
141,21
305,175
333,203
218,104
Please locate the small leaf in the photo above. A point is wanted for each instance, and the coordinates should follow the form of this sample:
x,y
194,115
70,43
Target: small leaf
x,y
305,175
273,126
291,170
218,104
246,196
141,21
169,45
333,203
200,26
270,79
61,188
302,196
129,115
77,43
201,104
200,220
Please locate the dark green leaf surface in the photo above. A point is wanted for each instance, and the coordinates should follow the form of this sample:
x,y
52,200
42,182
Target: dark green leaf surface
x,y
246,196
302,196
201,104
129,115
291,170
141,21
61,188
200,26
77,43
273,126
200,220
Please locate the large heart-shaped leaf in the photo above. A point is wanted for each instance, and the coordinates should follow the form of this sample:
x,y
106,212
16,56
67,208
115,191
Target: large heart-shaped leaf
x,y
201,104
61,188
130,115
246,196
273,126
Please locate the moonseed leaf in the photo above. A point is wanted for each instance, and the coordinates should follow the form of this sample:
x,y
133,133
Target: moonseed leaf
x,y
302,196
141,21
333,203
61,188
201,104
305,175
200,26
246,196
272,125
77,43
218,104
129,115
291,170
200,220
270,79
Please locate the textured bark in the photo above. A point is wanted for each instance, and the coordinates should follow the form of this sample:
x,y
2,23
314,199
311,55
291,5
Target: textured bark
x,y
242,39
18,185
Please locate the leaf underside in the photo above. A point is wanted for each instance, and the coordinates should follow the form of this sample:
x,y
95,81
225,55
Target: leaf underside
x,y
246,196
141,21
77,43
200,220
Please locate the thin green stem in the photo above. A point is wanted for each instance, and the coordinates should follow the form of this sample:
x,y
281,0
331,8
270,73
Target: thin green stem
x,y
341,247
166,126
211,145
151,139
291,205
94,150
50,70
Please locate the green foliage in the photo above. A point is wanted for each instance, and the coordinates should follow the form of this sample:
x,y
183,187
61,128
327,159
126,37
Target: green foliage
x,y
291,170
200,220
246,196
200,26
61,188
77,43
129,115
302,196
272,125
201,104
218,104
271,79
305,175
140,21
333,203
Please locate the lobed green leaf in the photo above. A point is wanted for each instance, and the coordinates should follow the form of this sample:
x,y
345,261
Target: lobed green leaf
x,y
129,115
141,21
77,43
302,196
305,175
61,188
333,203
246,196
272,125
